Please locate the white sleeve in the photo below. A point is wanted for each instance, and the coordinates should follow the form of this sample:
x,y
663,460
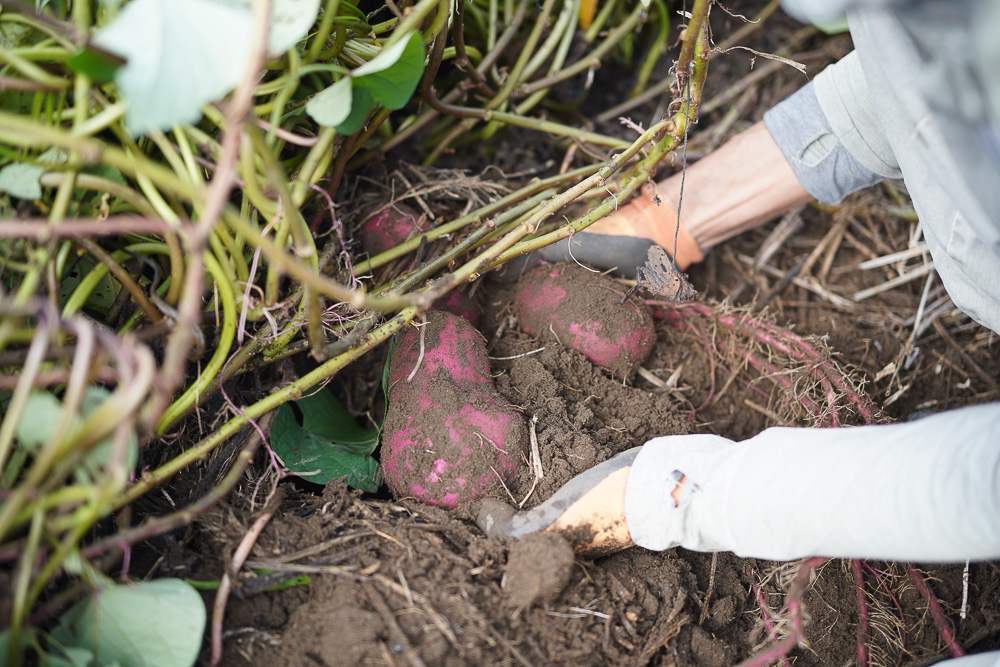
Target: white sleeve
x,y
925,491
991,659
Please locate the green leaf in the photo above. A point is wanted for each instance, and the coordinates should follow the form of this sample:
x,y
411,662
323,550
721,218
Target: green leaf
x,y
42,413
40,418
324,415
22,180
101,298
97,64
332,107
329,444
389,79
13,35
181,55
158,623
392,76
71,657
99,456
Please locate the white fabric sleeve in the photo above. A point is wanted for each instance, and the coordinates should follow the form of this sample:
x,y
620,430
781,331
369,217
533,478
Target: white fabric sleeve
x,y
923,491
842,92
991,659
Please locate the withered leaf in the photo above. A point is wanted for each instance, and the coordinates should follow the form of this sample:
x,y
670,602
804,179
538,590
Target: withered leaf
x,y
660,277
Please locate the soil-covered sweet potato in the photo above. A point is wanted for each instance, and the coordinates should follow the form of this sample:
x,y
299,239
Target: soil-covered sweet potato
x,y
584,310
390,227
459,303
448,436
445,346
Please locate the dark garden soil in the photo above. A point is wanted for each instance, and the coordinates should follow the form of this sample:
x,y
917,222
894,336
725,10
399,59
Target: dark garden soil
x,y
396,582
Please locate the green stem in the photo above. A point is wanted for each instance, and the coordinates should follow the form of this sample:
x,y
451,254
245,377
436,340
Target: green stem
x,y
592,59
323,32
474,217
291,392
226,336
18,131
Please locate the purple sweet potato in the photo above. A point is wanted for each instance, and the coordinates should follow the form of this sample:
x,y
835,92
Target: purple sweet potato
x,y
584,310
390,227
448,436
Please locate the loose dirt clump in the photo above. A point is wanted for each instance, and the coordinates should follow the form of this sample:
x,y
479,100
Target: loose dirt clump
x,y
538,569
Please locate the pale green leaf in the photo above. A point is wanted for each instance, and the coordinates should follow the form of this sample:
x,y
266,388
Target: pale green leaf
x,y
389,79
40,418
180,55
158,623
42,414
72,656
22,180
99,456
332,106
290,21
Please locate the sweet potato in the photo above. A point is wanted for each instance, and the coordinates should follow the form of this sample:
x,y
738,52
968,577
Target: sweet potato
x,y
448,436
459,303
390,227
584,311
446,346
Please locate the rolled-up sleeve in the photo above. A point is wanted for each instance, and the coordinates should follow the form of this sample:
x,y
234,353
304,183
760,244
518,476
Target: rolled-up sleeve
x,y
830,135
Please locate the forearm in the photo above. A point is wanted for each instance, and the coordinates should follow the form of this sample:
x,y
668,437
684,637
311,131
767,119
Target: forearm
x,y
743,184
921,491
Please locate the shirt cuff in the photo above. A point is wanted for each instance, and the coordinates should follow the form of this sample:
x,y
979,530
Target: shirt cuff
x,y
835,145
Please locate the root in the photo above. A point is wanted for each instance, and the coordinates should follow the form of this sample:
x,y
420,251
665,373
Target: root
x,y
793,604
809,379
937,614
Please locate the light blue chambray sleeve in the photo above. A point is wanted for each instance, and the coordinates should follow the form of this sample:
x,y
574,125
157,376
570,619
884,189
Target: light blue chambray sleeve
x,y
831,136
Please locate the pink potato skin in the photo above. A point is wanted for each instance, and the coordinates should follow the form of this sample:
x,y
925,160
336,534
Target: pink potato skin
x,y
390,227
459,303
448,434
453,350
454,463
591,320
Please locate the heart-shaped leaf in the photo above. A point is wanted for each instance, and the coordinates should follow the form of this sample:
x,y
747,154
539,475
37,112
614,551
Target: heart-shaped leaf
x,y
328,444
181,55
290,21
